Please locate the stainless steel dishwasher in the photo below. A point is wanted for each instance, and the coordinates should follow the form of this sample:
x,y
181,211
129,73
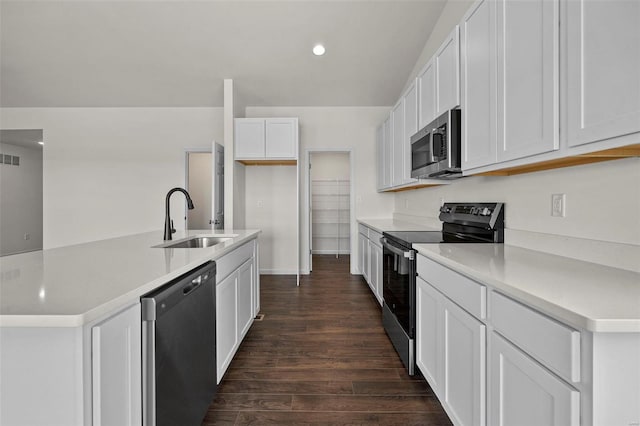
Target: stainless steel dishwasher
x,y
179,349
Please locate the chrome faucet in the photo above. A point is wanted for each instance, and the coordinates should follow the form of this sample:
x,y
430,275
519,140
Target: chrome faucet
x,y
168,223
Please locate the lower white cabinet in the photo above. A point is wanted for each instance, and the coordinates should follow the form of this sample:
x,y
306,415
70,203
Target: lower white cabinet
x,y
370,259
450,352
524,393
116,374
237,302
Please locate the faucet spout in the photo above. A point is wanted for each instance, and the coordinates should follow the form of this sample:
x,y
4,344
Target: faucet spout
x,y
168,223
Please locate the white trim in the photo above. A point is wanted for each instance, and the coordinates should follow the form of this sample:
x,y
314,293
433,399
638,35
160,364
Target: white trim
x,y
279,272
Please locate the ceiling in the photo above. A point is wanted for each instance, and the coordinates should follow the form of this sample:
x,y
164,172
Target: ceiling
x,y
27,138
176,53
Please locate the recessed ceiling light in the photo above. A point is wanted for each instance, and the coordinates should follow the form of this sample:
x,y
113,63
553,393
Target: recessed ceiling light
x,y
41,143
318,50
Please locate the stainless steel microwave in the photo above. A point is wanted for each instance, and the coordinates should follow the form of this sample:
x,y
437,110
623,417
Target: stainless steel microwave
x,y
436,148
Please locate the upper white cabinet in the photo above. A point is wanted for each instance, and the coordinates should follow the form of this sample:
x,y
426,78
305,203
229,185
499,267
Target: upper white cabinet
x,y
427,94
387,149
478,79
439,81
602,70
380,156
410,100
527,76
447,62
510,67
266,138
398,143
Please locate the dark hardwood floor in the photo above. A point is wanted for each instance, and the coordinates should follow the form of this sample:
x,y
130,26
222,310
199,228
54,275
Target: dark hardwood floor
x,y
321,357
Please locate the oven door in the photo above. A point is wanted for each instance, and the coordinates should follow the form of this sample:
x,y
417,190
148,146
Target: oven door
x,y
399,283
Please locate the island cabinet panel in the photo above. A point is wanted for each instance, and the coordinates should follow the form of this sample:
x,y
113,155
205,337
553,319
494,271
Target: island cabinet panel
x,y
602,68
429,356
524,393
226,323
237,301
116,370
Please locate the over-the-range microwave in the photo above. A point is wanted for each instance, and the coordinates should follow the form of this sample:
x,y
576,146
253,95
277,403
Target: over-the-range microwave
x,y
436,148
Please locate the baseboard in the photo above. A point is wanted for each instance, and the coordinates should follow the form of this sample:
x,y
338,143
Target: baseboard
x,y
278,272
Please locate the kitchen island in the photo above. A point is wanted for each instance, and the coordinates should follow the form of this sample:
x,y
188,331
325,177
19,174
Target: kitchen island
x,y
70,322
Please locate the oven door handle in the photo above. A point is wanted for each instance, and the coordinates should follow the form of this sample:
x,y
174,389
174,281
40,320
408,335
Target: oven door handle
x,y
395,250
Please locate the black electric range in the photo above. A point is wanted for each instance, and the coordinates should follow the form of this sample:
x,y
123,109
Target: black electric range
x,y
461,223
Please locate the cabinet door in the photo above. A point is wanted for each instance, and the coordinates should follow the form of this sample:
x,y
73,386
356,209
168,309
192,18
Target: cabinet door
x,y
388,153
447,63
429,337
524,393
603,69
256,280
410,129
245,295
426,95
397,116
226,322
464,366
116,369
375,266
527,76
478,83
380,157
281,138
249,138
363,245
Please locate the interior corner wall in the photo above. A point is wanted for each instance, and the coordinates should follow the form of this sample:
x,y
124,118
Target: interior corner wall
x,y
339,128
21,200
107,171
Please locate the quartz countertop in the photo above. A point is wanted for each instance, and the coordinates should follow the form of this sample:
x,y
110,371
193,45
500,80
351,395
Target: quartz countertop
x,y
73,285
387,225
586,295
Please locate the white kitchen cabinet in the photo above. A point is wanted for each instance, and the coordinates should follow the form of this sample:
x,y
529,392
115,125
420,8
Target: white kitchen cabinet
x,y
410,100
464,366
504,44
375,265
450,346
447,63
380,160
527,75
439,81
236,290
427,94
522,392
116,370
364,256
398,144
226,323
602,70
387,149
266,138
478,80
429,335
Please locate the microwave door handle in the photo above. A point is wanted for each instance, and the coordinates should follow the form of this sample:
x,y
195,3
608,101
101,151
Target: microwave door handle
x,y
436,140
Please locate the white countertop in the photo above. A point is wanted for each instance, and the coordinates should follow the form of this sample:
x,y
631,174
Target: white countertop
x,y
387,225
586,295
73,285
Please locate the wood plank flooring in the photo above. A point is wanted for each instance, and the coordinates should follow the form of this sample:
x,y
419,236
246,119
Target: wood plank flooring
x,y
321,357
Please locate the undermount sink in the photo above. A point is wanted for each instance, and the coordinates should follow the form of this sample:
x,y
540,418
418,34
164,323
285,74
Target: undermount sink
x,y
195,242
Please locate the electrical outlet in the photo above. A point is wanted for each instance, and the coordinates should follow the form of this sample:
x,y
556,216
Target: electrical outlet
x,y
259,203
558,205
27,236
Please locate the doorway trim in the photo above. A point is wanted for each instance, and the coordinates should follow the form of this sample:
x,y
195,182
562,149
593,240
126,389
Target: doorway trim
x,y
353,229
188,151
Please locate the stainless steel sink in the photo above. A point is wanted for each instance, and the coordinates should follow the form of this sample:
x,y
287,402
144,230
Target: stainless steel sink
x,y
195,242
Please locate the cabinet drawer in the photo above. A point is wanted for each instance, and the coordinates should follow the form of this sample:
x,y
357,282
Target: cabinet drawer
x,y
554,344
374,237
232,261
363,230
465,292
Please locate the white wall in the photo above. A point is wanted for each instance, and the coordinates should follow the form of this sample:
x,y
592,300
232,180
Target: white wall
x,y
271,206
107,170
21,200
339,128
330,165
